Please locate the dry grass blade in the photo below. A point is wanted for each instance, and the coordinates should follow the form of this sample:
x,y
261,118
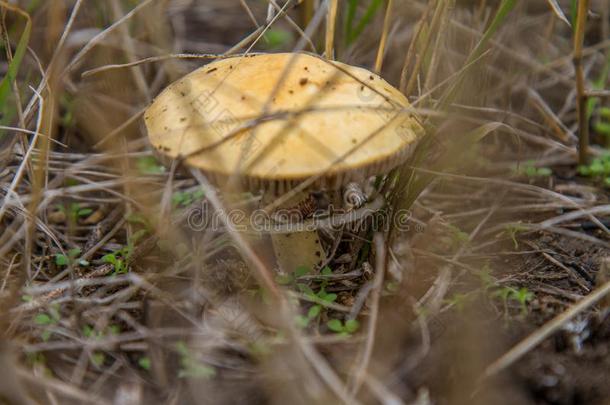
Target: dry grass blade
x,y
331,20
558,11
384,38
581,106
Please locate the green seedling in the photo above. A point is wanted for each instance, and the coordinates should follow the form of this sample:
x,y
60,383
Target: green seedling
x,y
513,230
98,359
70,258
74,211
119,259
522,296
190,367
91,333
321,297
531,171
598,169
186,198
48,320
343,328
149,165
602,125
144,363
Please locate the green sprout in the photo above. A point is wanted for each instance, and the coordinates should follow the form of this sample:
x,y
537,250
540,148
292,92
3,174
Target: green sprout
x,y
532,172
74,211
70,258
343,328
119,259
522,296
144,362
149,165
48,320
513,230
186,198
189,366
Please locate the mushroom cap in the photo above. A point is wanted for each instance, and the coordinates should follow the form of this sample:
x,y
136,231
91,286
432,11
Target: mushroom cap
x,y
276,120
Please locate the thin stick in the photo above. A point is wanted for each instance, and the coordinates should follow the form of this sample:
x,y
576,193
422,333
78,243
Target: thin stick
x,y
380,266
331,18
384,38
306,14
545,331
583,125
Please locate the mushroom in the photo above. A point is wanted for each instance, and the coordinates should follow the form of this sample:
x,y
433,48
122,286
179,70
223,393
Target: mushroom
x,y
282,123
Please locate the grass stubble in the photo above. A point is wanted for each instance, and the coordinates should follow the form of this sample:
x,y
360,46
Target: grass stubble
x,y
108,296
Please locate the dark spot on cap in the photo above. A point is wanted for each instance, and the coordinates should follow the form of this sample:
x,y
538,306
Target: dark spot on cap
x,y
287,235
361,88
164,109
317,241
318,253
291,91
230,66
306,68
182,119
211,70
243,97
166,128
303,81
371,77
354,141
182,93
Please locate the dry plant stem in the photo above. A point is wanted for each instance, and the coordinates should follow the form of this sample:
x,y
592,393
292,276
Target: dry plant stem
x,y
384,38
130,51
296,249
331,19
411,50
436,18
365,359
307,11
583,125
545,331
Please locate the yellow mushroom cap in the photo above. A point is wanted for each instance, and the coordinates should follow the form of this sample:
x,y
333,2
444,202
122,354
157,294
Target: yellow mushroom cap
x,y
275,120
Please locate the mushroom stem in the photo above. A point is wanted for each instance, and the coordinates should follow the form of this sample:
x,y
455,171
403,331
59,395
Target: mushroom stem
x,y
301,248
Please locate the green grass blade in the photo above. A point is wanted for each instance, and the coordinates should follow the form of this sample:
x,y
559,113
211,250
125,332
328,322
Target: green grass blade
x,y
13,68
352,5
365,20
